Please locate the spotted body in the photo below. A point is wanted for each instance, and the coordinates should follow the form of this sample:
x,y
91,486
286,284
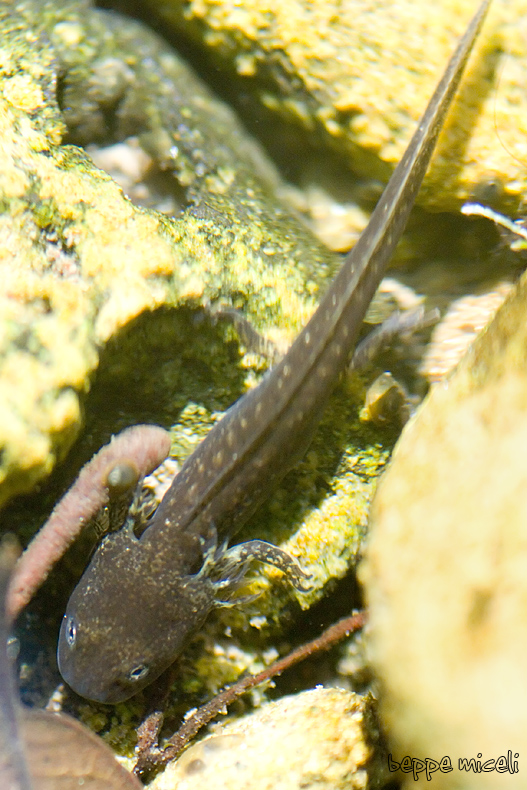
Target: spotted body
x,y
140,598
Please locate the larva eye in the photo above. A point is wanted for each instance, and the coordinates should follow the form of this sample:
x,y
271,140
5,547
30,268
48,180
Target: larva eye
x,y
71,632
138,673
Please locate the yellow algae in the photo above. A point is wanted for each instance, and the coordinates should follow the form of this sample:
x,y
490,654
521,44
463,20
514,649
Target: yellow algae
x,y
23,93
360,72
78,260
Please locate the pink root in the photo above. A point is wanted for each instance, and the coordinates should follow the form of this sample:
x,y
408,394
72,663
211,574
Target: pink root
x,y
119,465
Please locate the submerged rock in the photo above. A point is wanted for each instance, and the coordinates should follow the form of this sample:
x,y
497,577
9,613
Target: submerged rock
x,y
355,75
445,568
324,738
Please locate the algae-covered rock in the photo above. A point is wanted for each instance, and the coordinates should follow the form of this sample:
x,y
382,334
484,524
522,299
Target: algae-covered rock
x,y
445,568
79,261
356,74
